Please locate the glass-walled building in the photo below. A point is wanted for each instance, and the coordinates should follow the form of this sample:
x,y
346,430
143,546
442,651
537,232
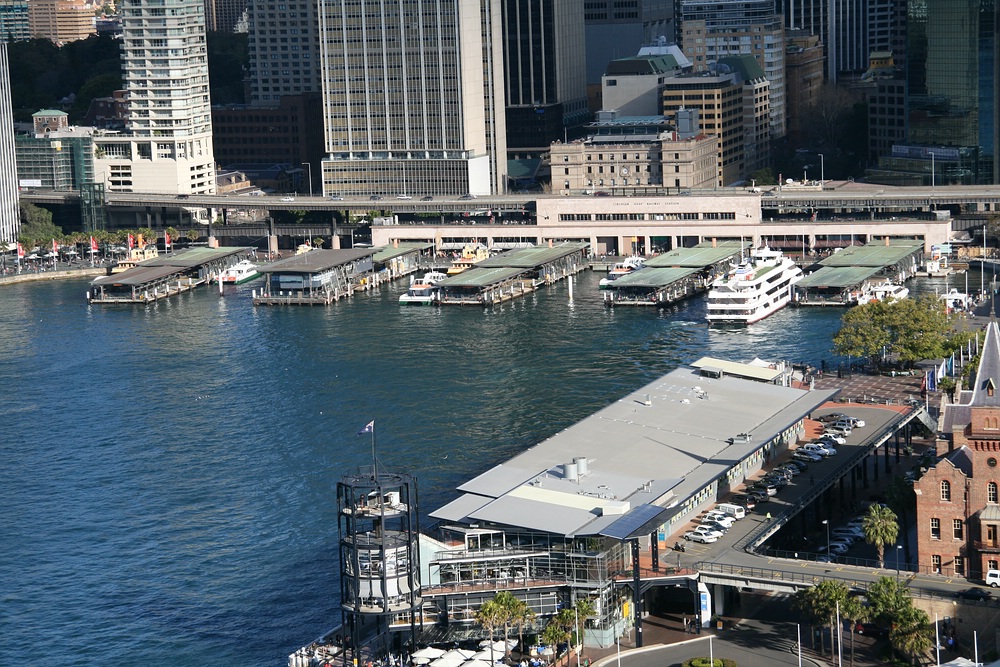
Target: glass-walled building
x,y
951,74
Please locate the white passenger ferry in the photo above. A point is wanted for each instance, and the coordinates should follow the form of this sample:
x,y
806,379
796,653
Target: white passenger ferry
x,y
423,292
630,265
758,287
242,272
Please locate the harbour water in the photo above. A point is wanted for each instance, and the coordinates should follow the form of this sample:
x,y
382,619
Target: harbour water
x,y
167,471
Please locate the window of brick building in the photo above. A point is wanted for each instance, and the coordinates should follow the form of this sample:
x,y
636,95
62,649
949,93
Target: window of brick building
x,y
936,529
936,564
946,490
957,528
992,565
959,565
991,492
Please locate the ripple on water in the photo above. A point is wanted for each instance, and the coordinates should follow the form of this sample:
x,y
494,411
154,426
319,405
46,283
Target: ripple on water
x,y
169,471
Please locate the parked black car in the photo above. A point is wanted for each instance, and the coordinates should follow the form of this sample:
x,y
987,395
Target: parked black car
x,y
976,594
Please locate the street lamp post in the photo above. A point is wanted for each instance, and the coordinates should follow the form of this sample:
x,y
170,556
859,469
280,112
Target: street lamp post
x,y
308,166
822,168
898,548
826,522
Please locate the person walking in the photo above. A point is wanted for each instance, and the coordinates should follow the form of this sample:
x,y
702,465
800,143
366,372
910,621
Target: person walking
x,y
768,516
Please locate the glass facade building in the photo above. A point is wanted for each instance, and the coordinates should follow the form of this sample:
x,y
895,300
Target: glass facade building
x,y
951,76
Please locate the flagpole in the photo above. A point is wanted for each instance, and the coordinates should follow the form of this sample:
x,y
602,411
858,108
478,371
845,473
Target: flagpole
x,y
374,458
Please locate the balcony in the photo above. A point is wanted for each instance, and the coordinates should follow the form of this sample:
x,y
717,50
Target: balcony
x,y
992,547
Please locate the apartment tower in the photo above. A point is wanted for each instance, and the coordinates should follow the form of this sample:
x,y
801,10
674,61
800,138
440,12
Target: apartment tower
x,y
61,21
413,98
283,48
168,147
10,218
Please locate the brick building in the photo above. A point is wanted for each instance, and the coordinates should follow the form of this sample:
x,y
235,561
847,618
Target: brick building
x,y
958,499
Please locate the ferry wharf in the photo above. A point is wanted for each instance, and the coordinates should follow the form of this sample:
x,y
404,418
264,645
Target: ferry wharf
x,y
316,277
513,274
164,276
841,278
675,275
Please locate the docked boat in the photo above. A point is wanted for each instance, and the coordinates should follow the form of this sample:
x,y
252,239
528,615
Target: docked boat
x,y
423,291
884,291
239,273
955,300
630,265
760,285
471,255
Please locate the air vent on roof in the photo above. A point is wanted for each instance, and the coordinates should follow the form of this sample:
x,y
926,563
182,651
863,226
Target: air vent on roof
x,y
570,472
582,465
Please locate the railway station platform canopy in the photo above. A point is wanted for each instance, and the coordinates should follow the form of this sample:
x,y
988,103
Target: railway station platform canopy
x,y
676,444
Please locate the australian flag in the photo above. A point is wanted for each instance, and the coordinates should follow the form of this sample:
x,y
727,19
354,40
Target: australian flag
x,y
369,428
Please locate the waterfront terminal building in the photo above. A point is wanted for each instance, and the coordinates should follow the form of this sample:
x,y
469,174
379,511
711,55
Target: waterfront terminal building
x,y
583,514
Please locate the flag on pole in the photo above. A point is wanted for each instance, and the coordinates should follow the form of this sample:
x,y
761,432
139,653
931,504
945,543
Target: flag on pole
x,y
369,428
131,241
55,246
20,251
93,244
166,240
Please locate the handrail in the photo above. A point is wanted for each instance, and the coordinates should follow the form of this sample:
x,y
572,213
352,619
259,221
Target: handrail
x,y
754,538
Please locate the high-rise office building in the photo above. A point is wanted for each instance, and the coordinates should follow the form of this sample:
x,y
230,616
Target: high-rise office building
x,y
618,28
61,21
225,15
804,77
545,71
714,29
168,141
10,217
849,29
14,23
283,47
952,103
413,97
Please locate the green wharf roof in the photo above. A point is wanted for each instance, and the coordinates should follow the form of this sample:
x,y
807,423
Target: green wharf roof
x,y
530,258
482,277
874,254
392,252
654,277
838,276
701,255
194,256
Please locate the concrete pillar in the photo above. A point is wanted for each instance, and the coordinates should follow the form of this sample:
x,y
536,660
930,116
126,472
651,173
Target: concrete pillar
x,y
885,458
622,248
636,594
673,242
841,485
654,543
874,458
864,473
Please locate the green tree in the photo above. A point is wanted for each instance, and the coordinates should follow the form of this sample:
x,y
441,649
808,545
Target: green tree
x,y
886,598
764,176
855,612
37,225
491,615
881,528
911,633
819,604
559,629
910,329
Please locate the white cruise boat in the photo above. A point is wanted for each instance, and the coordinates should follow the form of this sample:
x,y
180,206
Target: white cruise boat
x,y
630,265
759,286
885,291
239,273
423,292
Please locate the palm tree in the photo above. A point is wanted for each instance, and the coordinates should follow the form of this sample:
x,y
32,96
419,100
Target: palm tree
x,y
510,607
886,599
902,500
584,609
521,615
819,603
491,615
880,528
855,612
911,633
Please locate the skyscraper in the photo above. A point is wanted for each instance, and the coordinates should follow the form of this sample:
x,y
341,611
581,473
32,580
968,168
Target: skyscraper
x,y
224,15
413,97
283,49
952,86
618,28
14,20
168,147
61,21
10,218
545,70
714,29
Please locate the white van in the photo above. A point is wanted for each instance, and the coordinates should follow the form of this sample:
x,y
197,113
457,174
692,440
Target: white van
x,y
738,512
993,578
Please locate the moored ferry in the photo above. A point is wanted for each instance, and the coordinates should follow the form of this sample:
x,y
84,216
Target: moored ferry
x,y
242,272
630,265
884,291
423,292
759,286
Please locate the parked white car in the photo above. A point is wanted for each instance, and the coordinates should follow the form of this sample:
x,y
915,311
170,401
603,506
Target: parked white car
x,y
836,437
802,455
720,518
817,448
695,536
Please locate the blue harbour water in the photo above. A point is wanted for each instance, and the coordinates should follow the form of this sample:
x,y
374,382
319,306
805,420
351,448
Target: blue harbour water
x,y
167,472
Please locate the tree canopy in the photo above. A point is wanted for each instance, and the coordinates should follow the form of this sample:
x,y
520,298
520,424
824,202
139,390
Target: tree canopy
x,y
908,329
881,528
